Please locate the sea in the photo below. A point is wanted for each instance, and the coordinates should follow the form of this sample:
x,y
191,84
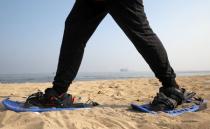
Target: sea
x,y
86,76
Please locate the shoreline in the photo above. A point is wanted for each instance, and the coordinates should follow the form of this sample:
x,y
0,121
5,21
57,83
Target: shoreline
x,y
113,79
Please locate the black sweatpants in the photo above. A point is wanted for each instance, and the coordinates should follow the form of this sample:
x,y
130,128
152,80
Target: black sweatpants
x,y
130,16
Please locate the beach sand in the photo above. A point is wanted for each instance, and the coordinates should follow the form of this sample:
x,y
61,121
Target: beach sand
x,y
115,97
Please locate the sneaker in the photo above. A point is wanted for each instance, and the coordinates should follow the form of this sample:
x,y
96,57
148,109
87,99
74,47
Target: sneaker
x,y
49,99
178,94
169,98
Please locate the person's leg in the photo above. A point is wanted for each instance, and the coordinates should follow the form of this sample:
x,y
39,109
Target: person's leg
x,y
79,26
130,16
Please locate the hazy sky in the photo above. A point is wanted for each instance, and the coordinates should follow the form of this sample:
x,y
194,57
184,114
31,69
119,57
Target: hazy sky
x,y
31,34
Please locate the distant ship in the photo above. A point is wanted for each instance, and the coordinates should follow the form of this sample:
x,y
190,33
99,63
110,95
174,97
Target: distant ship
x,y
123,70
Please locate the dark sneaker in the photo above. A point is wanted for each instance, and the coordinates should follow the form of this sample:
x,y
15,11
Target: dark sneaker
x,y
49,99
169,98
178,94
162,102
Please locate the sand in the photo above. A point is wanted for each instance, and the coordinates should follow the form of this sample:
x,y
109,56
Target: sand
x,y
115,97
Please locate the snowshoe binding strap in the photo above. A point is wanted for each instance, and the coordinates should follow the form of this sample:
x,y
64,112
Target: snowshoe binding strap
x,y
92,103
180,95
33,99
40,99
162,102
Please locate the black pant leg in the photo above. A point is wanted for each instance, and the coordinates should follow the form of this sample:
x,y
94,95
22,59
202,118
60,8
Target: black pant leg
x,y
130,16
79,26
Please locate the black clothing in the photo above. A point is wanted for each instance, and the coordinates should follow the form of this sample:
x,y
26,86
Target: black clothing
x,y
81,23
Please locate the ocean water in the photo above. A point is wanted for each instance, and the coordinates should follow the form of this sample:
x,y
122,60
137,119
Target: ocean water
x,y
85,76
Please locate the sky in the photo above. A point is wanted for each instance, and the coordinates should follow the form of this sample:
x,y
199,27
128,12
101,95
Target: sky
x,y
31,34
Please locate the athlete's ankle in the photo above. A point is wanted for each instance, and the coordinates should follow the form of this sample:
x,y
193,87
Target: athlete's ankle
x,y
170,83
